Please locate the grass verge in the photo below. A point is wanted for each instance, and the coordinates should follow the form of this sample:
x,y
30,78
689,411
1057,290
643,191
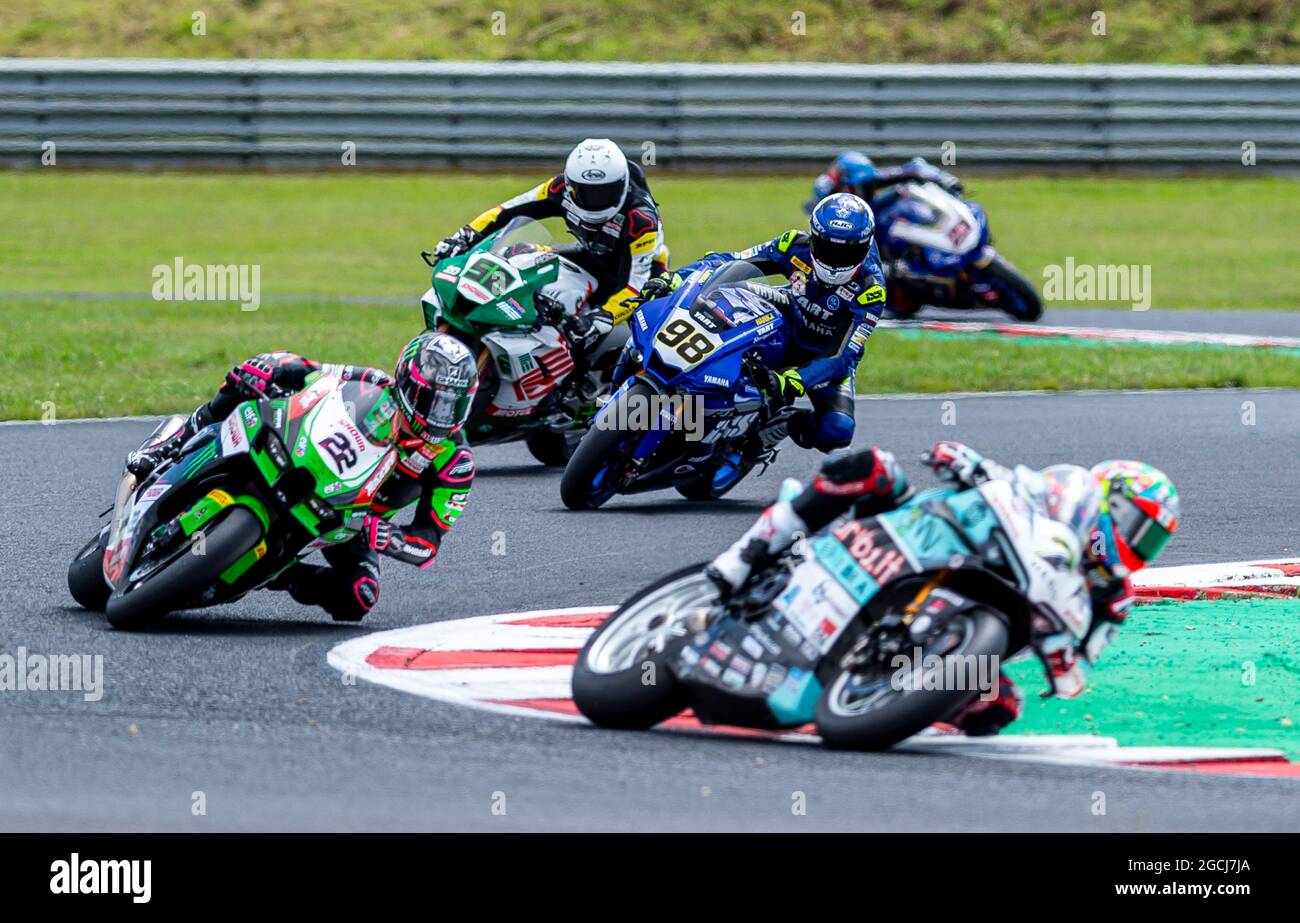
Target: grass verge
x,y
92,359
910,31
1226,243
1222,673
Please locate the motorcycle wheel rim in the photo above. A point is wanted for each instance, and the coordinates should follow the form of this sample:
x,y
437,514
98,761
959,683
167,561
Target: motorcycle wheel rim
x,y
650,623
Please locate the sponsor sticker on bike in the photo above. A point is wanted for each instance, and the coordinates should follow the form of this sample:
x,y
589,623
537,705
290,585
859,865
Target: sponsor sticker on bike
x,y
232,437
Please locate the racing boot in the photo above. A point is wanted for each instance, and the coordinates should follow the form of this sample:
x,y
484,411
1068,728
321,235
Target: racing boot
x,y
347,597
163,444
983,718
776,529
801,425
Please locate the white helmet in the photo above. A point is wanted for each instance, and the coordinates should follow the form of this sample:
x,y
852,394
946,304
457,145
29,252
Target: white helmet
x,y
596,178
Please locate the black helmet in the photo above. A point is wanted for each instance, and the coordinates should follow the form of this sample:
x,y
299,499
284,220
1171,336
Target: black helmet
x,y
435,382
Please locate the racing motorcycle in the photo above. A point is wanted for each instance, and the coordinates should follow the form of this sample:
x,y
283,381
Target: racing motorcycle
x,y
935,249
242,502
868,630
686,411
505,299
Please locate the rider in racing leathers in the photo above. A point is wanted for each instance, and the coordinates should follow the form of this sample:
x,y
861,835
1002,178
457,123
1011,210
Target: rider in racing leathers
x,y
605,201
853,172
432,388
1122,514
835,297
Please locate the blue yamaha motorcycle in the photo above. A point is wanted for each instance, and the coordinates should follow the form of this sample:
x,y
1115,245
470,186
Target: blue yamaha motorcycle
x,y
936,250
685,411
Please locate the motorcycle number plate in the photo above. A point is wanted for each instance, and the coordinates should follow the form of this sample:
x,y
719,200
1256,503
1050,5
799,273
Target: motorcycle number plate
x,y
340,444
683,342
486,277
816,604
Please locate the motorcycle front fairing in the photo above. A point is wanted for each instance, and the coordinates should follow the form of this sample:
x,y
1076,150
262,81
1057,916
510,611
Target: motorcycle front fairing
x,y
943,234
187,494
141,511
693,343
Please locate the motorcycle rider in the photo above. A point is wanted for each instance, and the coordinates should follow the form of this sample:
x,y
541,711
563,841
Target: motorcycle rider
x,y
834,298
854,172
1122,514
606,204
432,388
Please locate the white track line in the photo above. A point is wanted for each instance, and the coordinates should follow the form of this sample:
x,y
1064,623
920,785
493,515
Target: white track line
x,y
1098,334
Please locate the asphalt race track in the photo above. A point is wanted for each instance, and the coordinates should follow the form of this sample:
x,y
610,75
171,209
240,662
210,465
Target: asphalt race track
x,y
238,702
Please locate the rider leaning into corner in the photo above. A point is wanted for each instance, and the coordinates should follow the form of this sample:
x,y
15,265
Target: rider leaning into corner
x,y
606,204
1103,524
834,298
433,386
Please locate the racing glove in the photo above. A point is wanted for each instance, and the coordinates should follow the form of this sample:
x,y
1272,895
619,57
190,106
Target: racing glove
x,y
784,386
257,376
1111,602
456,244
658,287
956,463
387,539
583,330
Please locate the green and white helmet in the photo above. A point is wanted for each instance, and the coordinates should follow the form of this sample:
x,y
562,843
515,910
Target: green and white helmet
x,y
435,381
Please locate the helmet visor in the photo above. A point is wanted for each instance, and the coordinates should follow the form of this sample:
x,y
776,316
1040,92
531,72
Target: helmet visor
x,y
1137,528
597,197
436,412
839,256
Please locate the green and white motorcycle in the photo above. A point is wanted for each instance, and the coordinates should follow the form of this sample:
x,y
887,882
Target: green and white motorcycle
x,y
243,501
506,299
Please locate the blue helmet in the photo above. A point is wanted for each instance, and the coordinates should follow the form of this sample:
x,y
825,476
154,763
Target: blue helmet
x,y
842,228
855,168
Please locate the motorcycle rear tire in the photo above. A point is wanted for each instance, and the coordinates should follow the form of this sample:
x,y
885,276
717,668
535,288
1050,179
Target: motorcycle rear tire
x,y
551,448
622,700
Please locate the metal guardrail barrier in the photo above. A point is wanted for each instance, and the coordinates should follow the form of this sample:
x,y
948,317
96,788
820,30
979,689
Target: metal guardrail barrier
x,y
301,113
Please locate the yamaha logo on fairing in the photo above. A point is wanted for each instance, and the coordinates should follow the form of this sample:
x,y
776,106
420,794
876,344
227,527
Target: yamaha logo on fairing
x,y
593,175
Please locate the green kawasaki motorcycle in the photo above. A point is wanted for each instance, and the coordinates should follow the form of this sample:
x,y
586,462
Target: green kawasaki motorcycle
x,y
506,299
245,498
